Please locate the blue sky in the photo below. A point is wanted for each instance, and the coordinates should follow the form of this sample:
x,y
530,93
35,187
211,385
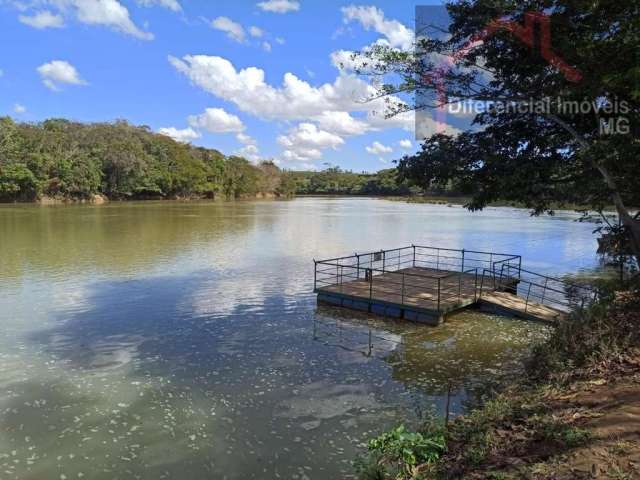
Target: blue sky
x,y
198,70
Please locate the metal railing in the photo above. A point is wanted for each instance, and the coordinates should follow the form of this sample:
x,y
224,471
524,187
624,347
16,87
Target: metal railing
x,y
436,292
441,278
437,278
539,289
426,257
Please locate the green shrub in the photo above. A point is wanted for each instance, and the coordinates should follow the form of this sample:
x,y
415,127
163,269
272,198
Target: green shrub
x,y
594,339
17,182
563,434
397,453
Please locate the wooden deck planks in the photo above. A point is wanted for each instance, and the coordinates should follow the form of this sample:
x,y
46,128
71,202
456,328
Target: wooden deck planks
x,y
515,305
457,291
420,288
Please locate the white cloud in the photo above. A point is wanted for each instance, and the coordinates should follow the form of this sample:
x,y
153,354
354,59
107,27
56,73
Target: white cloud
x,y
216,120
251,149
234,30
109,13
339,108
266,46
280,40
245,139
295,99
378,121
306,142
256,32
250,152
395,35
301,155
376,148
279,6
372,18
348,60
406,144
59,72
43,19
170,4
345,60
342,123
184,135
18,108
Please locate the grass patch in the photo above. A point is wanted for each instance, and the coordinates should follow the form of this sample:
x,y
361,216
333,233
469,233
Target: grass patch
x,y
621,447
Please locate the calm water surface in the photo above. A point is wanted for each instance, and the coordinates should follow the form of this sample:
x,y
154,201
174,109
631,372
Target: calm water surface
x,y
182,340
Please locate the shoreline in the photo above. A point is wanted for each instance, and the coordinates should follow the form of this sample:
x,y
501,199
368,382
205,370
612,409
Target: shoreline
x,y
409,199
574,414
100,199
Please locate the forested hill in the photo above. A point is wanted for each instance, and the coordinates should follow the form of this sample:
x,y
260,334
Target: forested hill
x,y
62,159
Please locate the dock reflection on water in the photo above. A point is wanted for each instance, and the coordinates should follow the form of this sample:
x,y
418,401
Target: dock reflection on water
x,y
464,358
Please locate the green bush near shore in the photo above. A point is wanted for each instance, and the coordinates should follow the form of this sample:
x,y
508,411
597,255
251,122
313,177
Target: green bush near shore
x,y
594,340
398,453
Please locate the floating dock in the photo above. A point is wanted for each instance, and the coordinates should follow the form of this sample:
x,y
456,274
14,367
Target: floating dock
x,y
427,284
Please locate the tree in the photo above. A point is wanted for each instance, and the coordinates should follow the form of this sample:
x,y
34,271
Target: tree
x,y
288,185
240,179
65,159
269,178
545,153
385,182
9,140
189,173
214,162
17,183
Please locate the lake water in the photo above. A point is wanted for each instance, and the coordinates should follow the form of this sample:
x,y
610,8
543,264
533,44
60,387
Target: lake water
x,y
182,340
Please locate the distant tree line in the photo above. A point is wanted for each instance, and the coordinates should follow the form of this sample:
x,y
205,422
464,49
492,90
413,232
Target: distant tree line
x,y
334,181
64,159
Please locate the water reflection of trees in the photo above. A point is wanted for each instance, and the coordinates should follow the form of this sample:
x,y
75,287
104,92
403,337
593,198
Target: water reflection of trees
x,y
119,237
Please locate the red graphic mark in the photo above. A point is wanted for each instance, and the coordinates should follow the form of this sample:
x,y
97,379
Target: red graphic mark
x,y
526,34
